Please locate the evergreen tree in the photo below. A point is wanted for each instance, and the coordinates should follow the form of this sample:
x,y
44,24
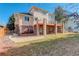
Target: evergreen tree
x,y
10,25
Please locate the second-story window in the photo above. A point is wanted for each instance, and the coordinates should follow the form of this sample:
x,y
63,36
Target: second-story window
x,y
26,18
36,18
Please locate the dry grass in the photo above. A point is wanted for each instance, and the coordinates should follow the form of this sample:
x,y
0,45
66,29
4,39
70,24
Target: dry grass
x,y
61,44
46,38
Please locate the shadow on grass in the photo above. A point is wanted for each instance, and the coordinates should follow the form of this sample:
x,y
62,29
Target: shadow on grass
x,y
57,47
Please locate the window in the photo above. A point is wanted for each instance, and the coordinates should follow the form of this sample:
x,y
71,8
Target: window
x,y
42,11
36,18
26,18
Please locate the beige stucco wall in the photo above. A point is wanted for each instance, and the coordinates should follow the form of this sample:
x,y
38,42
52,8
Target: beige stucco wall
x,y
42,16
20,20
28,23
21,23
50,20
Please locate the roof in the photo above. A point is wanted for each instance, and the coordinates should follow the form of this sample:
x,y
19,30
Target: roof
x,y
36,8
1,26
26,14
75,15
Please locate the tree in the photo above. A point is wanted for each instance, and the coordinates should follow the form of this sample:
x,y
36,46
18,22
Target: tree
x,y
10,25
59,14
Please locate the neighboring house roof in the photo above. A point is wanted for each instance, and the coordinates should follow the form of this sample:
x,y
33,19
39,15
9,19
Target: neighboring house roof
x,y
75,15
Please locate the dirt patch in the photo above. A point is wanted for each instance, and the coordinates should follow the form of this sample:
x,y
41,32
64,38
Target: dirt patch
x,y
5,44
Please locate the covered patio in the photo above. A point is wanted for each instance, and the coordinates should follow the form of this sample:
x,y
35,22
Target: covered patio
x,y
50,28
44,28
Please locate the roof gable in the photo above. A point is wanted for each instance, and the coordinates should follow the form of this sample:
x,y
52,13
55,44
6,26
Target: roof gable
x,y
38,9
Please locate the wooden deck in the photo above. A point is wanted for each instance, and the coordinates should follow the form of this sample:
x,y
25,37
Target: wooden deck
x,y
49,24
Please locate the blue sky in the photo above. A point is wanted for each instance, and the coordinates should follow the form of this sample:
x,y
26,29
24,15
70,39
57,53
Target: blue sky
x,y
7,9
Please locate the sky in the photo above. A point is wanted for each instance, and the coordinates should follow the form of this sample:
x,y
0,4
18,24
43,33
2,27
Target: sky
x,y
7,9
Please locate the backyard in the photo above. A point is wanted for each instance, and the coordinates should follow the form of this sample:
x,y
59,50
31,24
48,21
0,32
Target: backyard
x,y
51,45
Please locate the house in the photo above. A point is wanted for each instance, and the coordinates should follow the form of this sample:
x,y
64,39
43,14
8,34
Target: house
x,y
23,23
36,22
72,25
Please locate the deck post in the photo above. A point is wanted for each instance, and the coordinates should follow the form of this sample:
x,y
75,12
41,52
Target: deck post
x,y
56,27
37,28
20,29
33,26
20,25
62,27
44,27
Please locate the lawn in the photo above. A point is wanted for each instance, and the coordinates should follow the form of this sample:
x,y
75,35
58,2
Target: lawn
x,y
51,45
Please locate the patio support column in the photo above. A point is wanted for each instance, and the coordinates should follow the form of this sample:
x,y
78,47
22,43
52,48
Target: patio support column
x,y
44,27
33,26
37,28
63,28
56,27
20,25
20,29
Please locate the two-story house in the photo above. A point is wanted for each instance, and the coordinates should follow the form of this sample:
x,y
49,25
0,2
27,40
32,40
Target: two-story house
x,y
72,24
37,21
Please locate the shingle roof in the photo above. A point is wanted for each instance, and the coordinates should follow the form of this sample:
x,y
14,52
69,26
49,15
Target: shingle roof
x,y
26,14
1,26
75,15
36,8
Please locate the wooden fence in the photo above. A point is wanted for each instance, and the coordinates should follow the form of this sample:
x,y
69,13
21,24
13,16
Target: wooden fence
x,y
3,32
